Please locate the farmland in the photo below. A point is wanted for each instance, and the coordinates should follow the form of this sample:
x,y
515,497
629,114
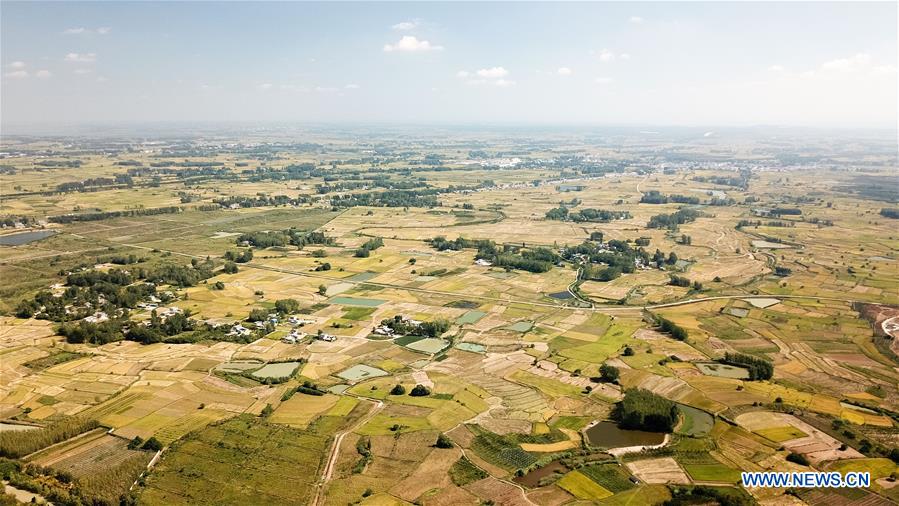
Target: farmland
x,y
314,323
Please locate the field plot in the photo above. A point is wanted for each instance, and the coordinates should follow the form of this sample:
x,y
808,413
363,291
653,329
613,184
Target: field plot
x,y
582,487
90,454
240,461
796,436
662,470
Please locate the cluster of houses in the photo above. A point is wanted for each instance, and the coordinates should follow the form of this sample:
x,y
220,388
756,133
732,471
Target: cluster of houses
x,y
294,337
384,330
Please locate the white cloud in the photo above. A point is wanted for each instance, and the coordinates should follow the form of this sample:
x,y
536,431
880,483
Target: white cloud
x,y
352,86
493,73
103,30
563,71
636,20
17,74
83,71
101,79
43,74
776,68
852,64
503,83
325,89
606,55
17,65
462,74
883,70
624,56
81,57
293,87
603,80
264,86
405,25
410,43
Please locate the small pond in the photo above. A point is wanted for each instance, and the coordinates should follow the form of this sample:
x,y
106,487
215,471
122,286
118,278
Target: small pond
x,y
562,295
25,237
532,479
608,435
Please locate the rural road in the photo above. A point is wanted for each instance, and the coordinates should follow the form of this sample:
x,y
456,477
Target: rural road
x,y
335,449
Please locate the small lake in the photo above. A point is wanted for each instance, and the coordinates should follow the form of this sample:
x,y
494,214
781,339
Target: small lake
x,y
608,435
561,295
532,479
25,237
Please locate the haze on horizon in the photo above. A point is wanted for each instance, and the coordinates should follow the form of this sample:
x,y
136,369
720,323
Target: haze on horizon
x,y
730,64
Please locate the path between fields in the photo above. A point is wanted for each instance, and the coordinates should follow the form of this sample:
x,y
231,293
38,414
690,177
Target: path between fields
x,y
335,449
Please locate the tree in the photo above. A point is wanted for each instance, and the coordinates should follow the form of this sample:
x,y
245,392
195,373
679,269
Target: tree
x,y
135,443
322,289
258,315
443,441
287,306
152,444
267,411
398,390
628,351
609,373
644,410
420,391
798,458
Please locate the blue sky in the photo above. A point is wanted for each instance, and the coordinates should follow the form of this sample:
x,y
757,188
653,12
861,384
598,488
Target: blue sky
x,y
807,64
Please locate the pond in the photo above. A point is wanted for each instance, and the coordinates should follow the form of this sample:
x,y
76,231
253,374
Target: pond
x,y
608,435
277,370
470,317
521,326
762,302
363,276
561,295
858,408
361,372
472,347
532,479
25,237
722,370
430,345
696,421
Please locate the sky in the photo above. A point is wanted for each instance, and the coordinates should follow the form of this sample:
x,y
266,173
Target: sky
x,y
636,63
